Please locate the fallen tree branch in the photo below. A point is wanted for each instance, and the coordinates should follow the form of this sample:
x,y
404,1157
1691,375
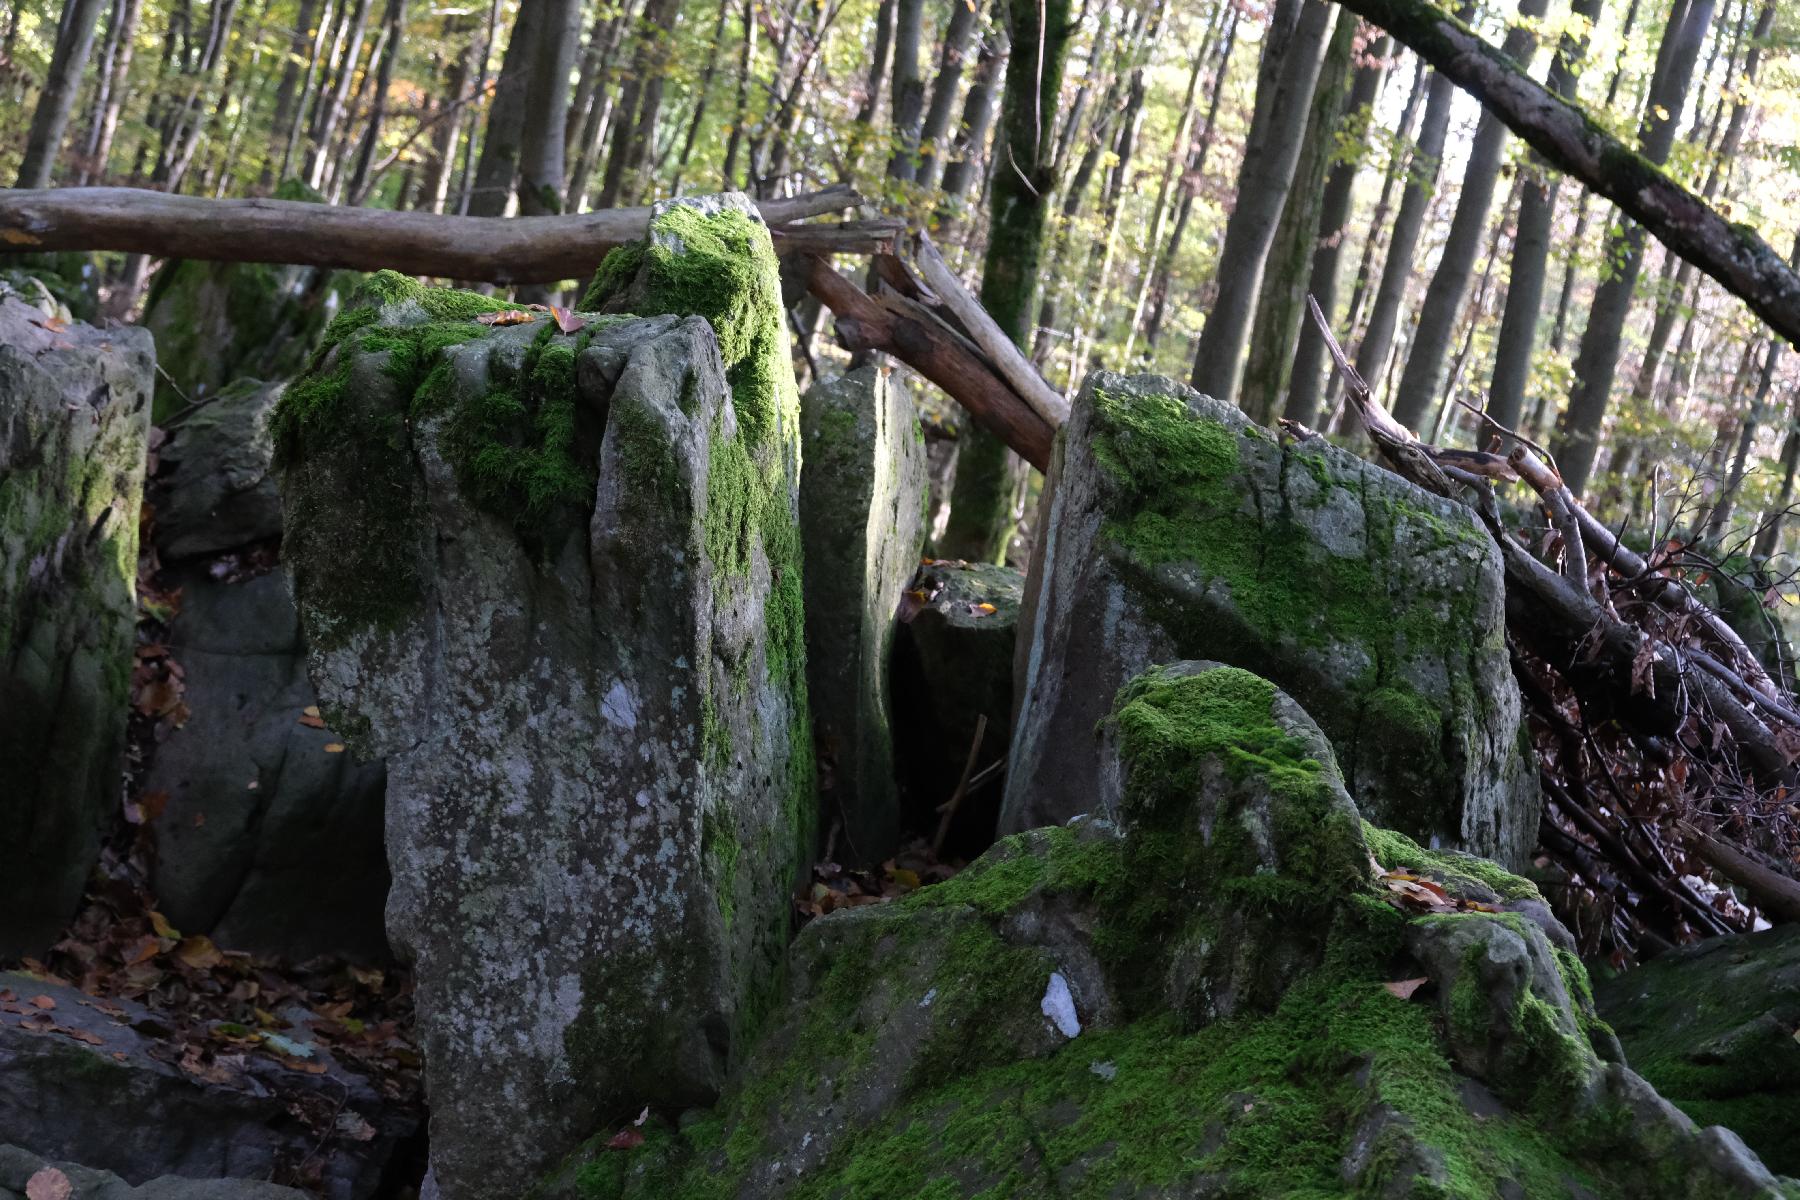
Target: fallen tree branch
x,y
906,329
509,250
1773,892
1571,140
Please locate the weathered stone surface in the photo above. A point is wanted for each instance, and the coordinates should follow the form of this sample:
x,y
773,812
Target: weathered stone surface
x,y
216,487
216,322
18,1167
953,664
116,1101
862,524
1191,1004
270,841
1173,527
570,618
74,418
1711,1026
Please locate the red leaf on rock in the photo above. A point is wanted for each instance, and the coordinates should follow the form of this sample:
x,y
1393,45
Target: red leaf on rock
x,y
1404,988
629,1138
49,1184
565,320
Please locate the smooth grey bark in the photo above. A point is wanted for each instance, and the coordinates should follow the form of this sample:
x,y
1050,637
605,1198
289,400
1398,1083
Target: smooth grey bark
x,y
640,103
715,47
977,119
909,89
1196,163
334,99
395,19
289,97
1306,385
879,62
1415,200
1292,55
1769,536
109,101
497,170
1423,378
62,83
542,144
1282,299
1517,338
315,64
588,111
952,56
1578,434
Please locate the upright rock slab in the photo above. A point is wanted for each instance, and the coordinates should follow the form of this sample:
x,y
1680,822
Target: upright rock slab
x,y
554,579
862,505
74,419
1174,527
271,839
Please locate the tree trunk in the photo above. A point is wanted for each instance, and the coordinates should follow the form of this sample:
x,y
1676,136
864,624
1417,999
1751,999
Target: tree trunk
x,y
971,135
1283,295
634,124
497,170
1517,338
333,101
714,49
964,17
741,110
982,502
1769,536
395,19
289,99
1306,386
909,89
111,101
314,67
1415,200
1578,434
1191,175
74,41
1423,378
541,142
1740,458
1292,55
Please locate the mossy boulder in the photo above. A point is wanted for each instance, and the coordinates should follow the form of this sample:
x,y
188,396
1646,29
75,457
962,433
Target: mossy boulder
x,y
217,322
862,498
1194,1002
1172,527
216,486
953,665
1713,1025
74,423
554,579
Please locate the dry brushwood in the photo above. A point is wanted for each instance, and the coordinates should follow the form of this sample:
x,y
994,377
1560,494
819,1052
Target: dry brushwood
x,y
1666,750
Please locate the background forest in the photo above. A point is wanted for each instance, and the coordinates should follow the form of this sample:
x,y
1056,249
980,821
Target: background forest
x,y
1453,265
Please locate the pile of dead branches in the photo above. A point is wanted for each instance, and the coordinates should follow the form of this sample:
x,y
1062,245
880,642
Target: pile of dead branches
x,y
1667,747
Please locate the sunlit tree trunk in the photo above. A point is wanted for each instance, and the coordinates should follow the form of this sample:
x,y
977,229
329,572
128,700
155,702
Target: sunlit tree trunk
x,y
62,83
109,101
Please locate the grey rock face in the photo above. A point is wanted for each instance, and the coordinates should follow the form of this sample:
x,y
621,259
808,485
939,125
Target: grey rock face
x,y
953,665
270,841
598,772
118,1106
217,489
74,419
862,499
1173,527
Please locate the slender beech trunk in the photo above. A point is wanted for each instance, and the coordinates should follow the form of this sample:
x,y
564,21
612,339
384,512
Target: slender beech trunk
x,y
314,66
113,84
1517,339
62,83
1422,380
715,47
1740,458
1578,434
434,184
983,500
600,107
640,103
1190,182
964,17
1415,201
395,20
334,101
971,136
1306,386
497,171
1283,296
909,89
289,98
1292,55
741,108
541,145
1770,535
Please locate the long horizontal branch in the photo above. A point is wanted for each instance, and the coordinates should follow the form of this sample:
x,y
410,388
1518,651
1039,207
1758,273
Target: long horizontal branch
x,y
1567,137
511,250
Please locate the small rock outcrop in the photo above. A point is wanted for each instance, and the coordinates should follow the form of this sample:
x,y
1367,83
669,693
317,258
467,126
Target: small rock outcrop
x,y
554,579
271,835
1174,527
862,498
80,1082
1712,1027
74,423
1215,997
18,1169
953,665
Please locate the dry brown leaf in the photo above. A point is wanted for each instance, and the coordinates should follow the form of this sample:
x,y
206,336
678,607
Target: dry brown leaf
x,y
43,1002
334,747
511,316
1404,988
199,953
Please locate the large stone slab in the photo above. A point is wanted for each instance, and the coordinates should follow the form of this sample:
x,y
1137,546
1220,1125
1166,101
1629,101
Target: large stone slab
x,y
74,419
554,579
862,521
1214,998
271,837
86,1081
1174,527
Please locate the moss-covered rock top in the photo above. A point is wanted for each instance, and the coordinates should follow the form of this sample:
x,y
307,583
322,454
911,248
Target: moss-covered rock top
x,y
1048,1023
